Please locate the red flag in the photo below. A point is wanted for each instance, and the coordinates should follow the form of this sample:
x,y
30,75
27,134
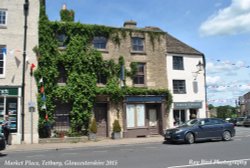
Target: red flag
x,y
46,117
42,89
32,66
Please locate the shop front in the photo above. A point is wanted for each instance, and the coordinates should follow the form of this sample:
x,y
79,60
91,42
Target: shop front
x,y
10,105
184,111
144,116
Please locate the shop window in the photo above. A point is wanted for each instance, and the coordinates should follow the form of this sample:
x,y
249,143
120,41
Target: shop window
x,y
179,117
8,106
135,115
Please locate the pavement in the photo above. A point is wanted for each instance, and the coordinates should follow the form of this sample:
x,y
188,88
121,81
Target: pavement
x,y
68,145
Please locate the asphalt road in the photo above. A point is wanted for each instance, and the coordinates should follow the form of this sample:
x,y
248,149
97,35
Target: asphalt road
x,y
215,154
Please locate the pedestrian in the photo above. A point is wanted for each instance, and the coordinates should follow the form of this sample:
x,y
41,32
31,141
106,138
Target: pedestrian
x,y
6,128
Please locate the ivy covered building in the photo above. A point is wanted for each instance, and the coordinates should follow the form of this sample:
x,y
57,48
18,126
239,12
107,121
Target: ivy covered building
x,y
110,73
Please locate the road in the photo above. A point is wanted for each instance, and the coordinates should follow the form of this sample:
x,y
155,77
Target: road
x,y
218,154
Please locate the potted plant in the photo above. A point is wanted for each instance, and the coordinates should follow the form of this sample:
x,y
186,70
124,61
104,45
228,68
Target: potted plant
x,y
92,130
116,130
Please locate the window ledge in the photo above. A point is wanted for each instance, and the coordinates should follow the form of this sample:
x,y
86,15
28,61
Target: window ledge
x,y
102,50
62,48
61,84
3,26
138,52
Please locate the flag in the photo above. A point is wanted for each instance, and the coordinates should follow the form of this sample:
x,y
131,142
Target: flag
x,y
32,66
42,89
41,80
4,52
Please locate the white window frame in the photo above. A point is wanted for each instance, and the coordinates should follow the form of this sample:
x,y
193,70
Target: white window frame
x,y
135,116
4,60
6,16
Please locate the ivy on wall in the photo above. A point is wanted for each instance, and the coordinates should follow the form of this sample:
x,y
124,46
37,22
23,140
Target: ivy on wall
x,y
82,65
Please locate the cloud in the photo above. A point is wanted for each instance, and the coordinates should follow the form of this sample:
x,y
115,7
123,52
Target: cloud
x,y
234,19
212,80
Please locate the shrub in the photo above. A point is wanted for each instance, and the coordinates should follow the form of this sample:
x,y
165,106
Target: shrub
x,y
93,126
116,126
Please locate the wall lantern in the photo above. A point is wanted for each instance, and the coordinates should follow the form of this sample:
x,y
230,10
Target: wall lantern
x,y
200,66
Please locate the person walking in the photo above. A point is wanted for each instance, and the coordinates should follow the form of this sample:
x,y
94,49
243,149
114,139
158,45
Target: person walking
x,y
6,128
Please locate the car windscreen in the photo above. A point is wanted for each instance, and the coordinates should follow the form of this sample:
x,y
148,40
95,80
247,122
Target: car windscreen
x,y
190,122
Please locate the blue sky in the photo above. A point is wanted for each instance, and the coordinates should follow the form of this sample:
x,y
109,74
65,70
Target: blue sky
x,y
218,28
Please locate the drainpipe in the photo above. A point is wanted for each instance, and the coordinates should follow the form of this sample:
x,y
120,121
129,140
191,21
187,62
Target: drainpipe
x,y
26,11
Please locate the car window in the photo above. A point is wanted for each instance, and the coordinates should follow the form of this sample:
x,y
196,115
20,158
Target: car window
x,y
205,122
216,121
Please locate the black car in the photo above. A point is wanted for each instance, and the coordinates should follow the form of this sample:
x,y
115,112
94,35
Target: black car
x,y
201,129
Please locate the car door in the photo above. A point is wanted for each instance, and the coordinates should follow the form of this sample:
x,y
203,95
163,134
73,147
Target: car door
x,y
204,129
217,128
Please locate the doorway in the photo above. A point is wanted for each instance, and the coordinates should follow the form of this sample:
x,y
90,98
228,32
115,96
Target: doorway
x,y
100,112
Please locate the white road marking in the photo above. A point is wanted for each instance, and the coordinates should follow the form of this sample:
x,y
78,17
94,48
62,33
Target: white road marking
x,y
225,162
35,156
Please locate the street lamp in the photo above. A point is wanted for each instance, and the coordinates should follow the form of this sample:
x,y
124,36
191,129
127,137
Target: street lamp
x,y
200,66
26,11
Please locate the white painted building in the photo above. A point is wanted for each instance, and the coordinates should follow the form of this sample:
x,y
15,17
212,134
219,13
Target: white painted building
x,y
186,81
11,68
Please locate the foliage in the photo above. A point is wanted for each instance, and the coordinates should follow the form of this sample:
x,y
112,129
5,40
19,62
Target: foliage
x,y
93,126
67,15
116,126
225,111
82,65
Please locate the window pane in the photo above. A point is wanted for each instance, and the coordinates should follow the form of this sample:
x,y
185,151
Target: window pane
x,y
137,44
179,86
99,42
130,115
178,63
140,111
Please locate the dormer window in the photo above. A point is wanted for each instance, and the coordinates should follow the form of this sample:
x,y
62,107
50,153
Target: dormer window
x,y
99,42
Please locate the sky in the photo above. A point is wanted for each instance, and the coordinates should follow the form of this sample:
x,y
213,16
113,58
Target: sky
x,y
220,29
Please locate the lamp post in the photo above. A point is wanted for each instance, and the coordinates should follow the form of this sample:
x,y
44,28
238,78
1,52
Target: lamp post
x,y
26,11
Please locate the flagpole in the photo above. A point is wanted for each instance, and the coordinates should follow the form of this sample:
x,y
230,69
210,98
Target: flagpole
x,y
26,11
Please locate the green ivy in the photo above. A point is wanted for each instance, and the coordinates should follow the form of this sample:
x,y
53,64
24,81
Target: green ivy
x,y
82,65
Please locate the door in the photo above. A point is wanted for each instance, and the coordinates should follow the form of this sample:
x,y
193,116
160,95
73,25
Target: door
x,y
153,120
100,111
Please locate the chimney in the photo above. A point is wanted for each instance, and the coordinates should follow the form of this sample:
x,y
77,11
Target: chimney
x,y
129,24
64,7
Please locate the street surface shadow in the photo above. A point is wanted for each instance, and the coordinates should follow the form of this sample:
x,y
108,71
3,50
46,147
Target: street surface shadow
x,y
3,155
198,142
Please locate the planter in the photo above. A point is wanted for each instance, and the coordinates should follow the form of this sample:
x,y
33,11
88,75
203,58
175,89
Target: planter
x,y
116,135
92,136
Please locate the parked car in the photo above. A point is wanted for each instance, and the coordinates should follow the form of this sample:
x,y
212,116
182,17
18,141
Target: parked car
x,y
240,121
246,121
232,120
2,140
201,129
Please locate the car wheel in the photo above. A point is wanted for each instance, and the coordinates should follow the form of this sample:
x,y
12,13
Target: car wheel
x,y
226,136
189,138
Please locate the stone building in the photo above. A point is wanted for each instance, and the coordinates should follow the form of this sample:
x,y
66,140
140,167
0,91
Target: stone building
x,y
23,123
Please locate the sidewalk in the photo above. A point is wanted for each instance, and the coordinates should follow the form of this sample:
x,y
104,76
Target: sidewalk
x,y
100,142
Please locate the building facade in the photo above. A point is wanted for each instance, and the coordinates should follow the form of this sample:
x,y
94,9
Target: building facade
x,y
244,104
23,123
186,80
